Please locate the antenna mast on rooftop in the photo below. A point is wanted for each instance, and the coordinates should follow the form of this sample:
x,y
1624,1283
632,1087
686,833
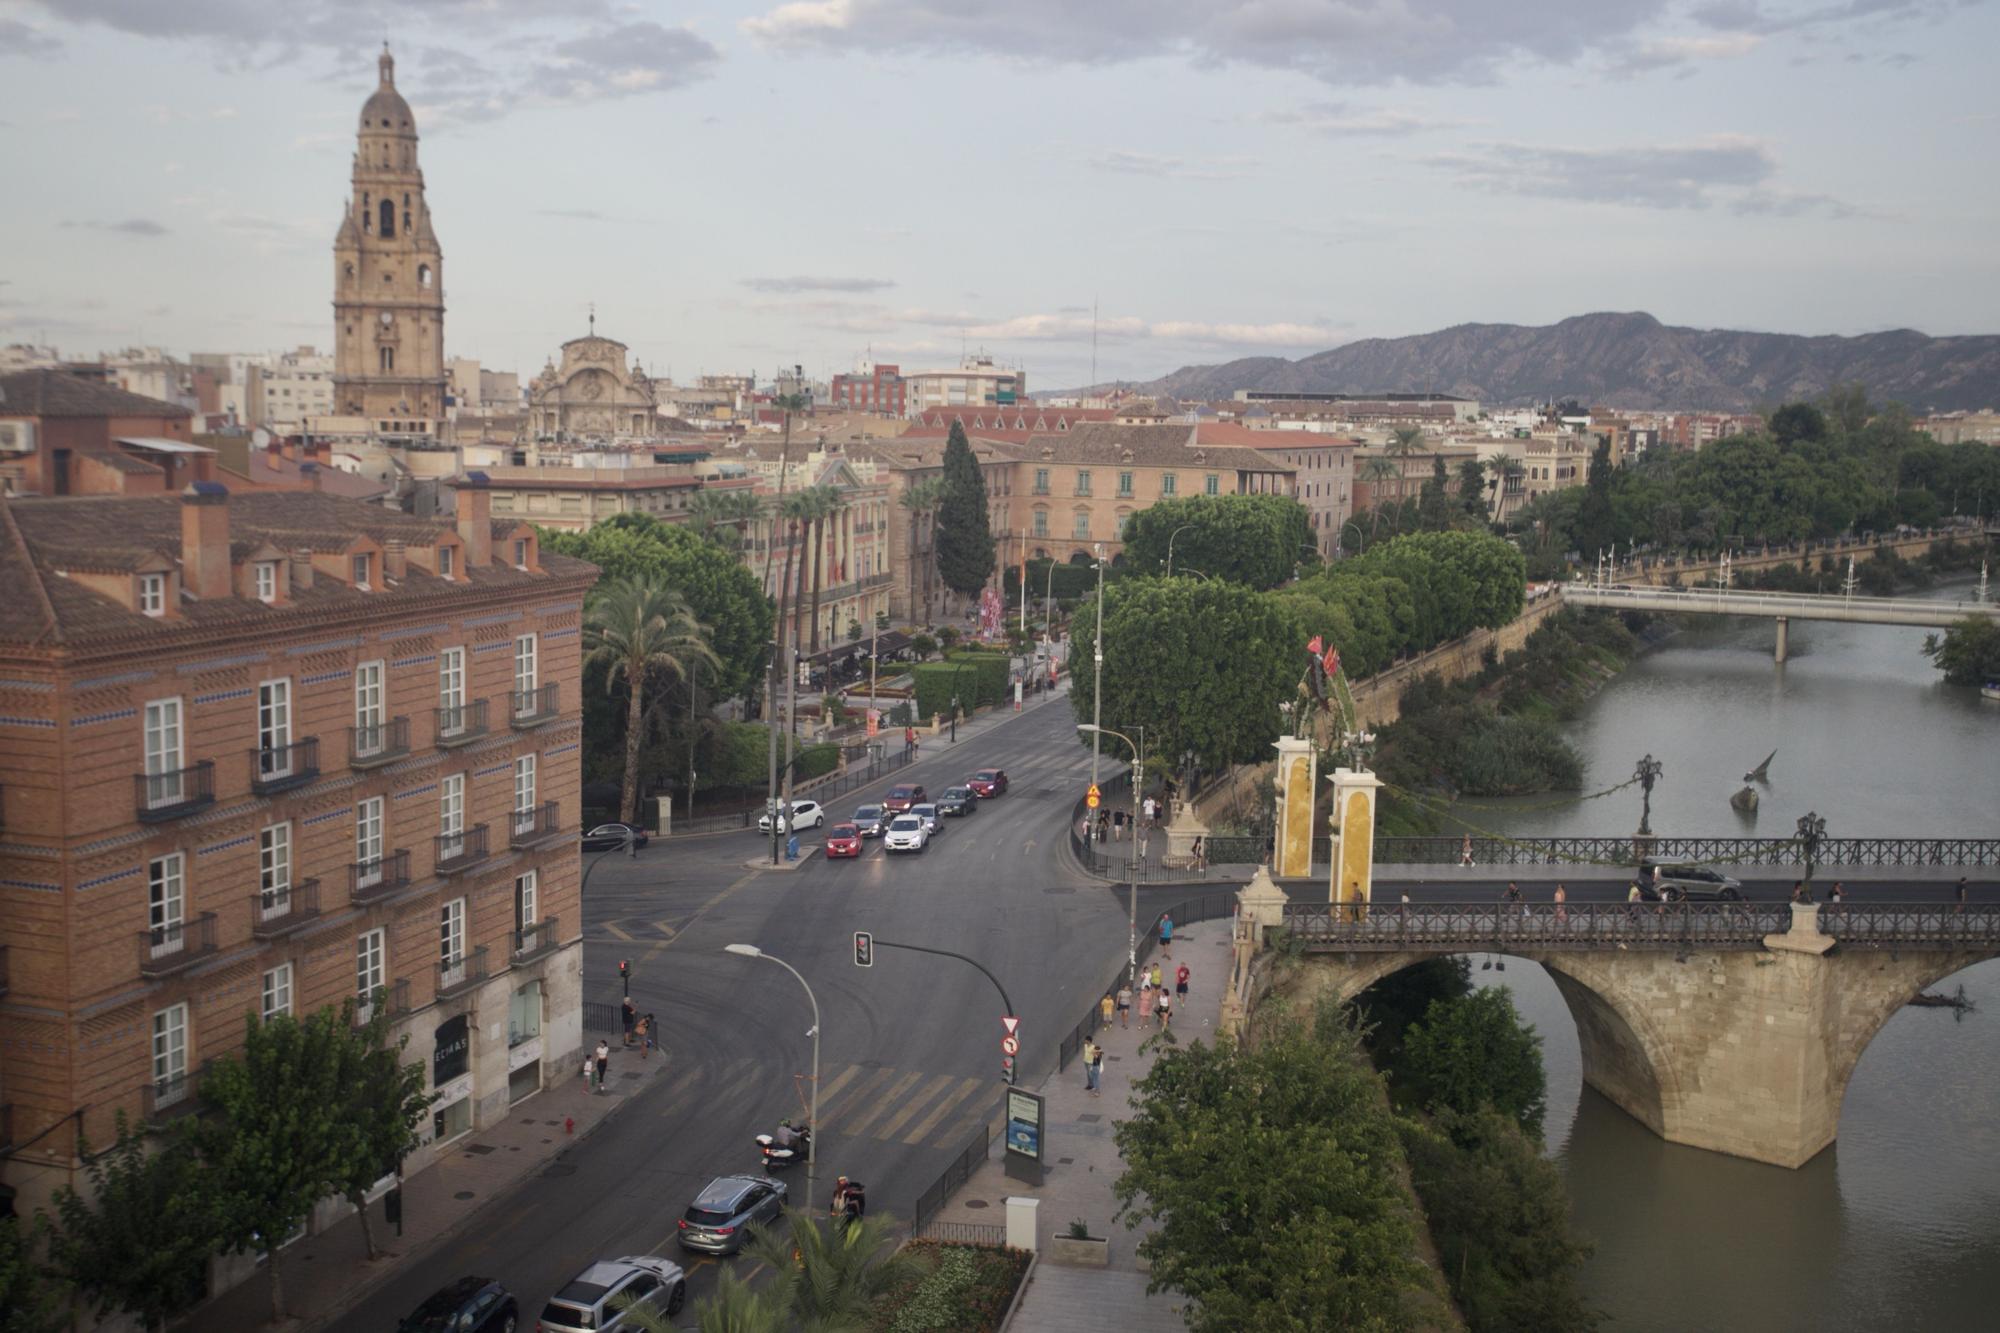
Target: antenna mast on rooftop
x,y
1093,342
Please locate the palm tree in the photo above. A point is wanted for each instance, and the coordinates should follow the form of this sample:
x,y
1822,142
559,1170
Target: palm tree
x,y
1376,471
635,626
833,500
832,1273
922,500
805,508
1402,447
720,515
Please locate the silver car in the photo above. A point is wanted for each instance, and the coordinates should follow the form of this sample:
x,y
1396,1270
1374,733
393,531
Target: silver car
x,y
1676,883
933,821
715,1222
599,1299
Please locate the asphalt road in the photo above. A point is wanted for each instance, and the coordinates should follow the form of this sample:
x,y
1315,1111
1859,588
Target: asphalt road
x,y
910,1047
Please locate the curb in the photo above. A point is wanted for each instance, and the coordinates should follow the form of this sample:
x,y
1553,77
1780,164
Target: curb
x,y
1020,1291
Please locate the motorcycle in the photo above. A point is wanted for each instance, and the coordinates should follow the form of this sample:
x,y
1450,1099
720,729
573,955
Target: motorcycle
x,y
775,1157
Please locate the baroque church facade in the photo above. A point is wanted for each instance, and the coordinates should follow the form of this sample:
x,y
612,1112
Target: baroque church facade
x,y
594,396
388,303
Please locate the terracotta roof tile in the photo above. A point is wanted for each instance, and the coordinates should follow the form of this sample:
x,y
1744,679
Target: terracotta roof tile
x,y
55,393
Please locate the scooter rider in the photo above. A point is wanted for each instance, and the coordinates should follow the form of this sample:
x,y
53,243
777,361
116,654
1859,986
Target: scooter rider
x,y
849,1198
786,1137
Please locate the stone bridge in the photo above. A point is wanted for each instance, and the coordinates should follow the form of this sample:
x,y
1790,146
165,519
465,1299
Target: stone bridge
x,y
1732,1026
1783,607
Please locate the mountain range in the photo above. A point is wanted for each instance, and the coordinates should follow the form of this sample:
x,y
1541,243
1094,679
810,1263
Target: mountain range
x,y
1625,360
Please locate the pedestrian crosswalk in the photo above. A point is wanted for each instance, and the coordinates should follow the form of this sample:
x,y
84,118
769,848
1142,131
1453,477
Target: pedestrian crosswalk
x,y
882,1102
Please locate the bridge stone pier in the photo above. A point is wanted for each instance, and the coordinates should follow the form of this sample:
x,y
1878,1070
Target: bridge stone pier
x,y
1743,1048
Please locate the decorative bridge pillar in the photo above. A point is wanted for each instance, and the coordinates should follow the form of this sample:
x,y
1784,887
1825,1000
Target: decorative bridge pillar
x,y
1298,784
1353,877
1784,626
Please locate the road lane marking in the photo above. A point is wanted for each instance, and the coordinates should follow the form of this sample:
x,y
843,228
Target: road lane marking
x,y
612,926
914,1104
942,1109
666,928
841,1080
860,1094
883,1103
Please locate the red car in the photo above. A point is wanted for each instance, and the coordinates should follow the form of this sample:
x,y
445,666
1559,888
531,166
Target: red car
x,y
843,840
988,782
904,795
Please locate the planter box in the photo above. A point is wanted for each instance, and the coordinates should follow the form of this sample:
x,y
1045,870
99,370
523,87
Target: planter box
x,y
1089,1252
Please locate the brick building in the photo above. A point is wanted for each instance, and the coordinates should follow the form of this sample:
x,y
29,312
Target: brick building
x,y
277,751
62,433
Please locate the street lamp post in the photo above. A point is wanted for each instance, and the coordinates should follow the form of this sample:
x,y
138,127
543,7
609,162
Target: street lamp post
x,y
1097,667
1170,546
1812,828
812,1112
1132,892
1646,774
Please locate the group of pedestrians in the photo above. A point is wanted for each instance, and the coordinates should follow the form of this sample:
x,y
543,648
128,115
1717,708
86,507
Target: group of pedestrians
x,y
1152,997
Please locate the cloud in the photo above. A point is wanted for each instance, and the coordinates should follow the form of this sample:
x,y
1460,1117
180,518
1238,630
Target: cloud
x,y
812,284
1121,162
1245,335
1748,16
129,227
1344,120
18,39
1647,176
1793,204
629,58
1683,53
1355,41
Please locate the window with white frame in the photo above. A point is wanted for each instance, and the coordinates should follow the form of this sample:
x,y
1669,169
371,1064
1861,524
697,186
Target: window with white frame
x,y
451,691
1169,484
370,967
447,561
527,662
524,793
451,939
1081,530
170,1054
266,574
369,737
277,991
1212,484
163,751
166,892
274,868
368,841
361,572
525,906
153,594
274,728
521,553
451,814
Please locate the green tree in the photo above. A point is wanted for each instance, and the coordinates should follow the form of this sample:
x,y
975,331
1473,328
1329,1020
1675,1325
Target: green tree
x,y
1377,472
720,515
1405,443
1200,664
840,1270
31,1298
386,1103
275,1145
964,536
1797,421
1594,530
1270,1171
1969,653
1472,489
1499,1216
1254,539
139,1240
1475,1051
1388,1007
640,629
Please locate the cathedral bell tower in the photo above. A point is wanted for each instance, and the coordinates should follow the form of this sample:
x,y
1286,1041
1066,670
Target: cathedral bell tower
x,y
388,276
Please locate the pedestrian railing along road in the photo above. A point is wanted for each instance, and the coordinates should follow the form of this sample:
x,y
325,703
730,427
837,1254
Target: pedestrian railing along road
x,y
1506,927
1630,849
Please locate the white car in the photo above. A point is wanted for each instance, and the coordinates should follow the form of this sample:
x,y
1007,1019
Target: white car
x,y
906,834
933,821
805,814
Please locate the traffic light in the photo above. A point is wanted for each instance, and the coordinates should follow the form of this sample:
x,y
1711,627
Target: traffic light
x,y
864,949
624,968
1007,1068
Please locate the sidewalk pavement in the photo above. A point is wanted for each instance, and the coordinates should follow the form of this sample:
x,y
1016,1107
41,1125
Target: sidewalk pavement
x,y
1083,1165
328,1272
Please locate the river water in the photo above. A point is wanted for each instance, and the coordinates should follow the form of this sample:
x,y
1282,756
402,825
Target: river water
x,y
1897,1226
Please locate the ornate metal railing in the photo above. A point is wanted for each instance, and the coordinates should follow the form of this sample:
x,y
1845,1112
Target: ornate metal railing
x,y
1629,850
1501,927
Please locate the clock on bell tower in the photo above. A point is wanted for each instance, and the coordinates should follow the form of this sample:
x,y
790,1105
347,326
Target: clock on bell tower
x,y
388,280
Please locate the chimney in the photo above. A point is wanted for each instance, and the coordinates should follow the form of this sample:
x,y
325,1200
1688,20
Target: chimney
x,y
302,569
475,520
205,540
395,559
309,473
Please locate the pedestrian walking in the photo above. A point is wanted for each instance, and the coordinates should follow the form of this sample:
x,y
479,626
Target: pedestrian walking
x,y
1632,900
652,1038
1166,1007
1103,825
1104,1008
1117,826
603,1056
589,1065
1512,898
1181,981
640,1031
1125,1006
1836,895
1154,978
1465,851
1090,1067
1962,892
1200,853
631,1019
1562,905
1149,809
1146,997
1167,934
1097,1070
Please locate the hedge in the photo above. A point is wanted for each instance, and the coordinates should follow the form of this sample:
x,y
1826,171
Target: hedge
x,y
1072,581
976,678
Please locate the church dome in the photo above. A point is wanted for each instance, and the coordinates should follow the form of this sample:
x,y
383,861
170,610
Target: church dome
x,y
385,108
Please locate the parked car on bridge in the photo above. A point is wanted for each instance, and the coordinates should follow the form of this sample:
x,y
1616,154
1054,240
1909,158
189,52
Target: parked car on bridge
x,y
1677,883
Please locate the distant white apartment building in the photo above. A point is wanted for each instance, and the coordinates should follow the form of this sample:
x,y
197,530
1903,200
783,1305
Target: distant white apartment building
x,y
281,392
976,381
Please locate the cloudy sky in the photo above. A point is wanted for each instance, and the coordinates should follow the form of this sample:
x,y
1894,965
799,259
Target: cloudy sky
x,y
742,186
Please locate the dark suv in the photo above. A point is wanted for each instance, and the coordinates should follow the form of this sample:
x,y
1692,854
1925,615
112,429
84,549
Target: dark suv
x,y
715,1222
469,1305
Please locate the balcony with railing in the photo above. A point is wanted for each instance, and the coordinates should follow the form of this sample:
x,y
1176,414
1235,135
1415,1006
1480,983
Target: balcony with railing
x,y
174,793
171,1097
457,975
373,744
279,912
534,941
372,881
532,708
395,996
460,724
534,826
454,853
165,950
276,768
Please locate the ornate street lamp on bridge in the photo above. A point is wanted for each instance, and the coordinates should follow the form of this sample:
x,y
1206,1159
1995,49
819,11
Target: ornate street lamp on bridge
x,y
1646,774
1812,829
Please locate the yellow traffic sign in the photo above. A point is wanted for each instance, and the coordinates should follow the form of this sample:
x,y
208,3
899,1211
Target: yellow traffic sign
x,y
1090,801
1093,790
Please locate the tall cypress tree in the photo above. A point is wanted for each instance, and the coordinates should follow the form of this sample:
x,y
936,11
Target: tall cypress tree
x,y
964,536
